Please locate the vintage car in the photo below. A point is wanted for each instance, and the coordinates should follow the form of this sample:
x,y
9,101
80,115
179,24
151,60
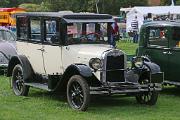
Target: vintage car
x,y
75,53
160,42
7,47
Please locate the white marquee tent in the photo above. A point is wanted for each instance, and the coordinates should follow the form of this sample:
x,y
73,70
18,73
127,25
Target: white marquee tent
x,y
142,12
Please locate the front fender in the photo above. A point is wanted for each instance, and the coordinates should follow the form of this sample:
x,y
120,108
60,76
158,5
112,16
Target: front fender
x,y
82,69
154,68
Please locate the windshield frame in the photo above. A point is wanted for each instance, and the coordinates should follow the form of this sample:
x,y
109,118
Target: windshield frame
x,y
108,31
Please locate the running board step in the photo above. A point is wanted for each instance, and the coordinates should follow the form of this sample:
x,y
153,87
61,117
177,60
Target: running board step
x,y
172,83
39,85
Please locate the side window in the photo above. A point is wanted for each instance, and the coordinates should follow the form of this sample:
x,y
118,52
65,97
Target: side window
x,y
22,27
52,34
157,37
9,36
35,30
175,43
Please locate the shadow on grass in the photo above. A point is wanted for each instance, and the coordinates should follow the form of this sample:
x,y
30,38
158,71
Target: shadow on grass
x,y
102,101
36,93
110,101
171,91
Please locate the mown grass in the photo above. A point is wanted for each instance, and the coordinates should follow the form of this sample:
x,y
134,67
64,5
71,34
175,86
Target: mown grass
x,y
42,105
127,46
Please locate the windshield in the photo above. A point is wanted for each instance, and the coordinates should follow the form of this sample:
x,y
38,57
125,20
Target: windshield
x,y
87,33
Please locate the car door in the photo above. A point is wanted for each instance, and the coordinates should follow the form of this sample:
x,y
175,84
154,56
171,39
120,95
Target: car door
x,y
52,54
157,47
29,42
174,55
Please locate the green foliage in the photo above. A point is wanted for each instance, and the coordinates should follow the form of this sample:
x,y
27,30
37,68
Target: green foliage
x,y
3,3
34,7
168,2
105,6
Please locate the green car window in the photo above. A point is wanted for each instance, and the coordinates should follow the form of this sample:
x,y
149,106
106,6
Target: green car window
x,y
157,37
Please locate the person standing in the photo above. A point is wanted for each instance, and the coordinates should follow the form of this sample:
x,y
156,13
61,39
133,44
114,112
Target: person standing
x,y
134,26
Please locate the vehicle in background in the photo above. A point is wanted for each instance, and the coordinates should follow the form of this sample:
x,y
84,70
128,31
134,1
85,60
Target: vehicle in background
x,y
75,53
7,47
7,16
160,42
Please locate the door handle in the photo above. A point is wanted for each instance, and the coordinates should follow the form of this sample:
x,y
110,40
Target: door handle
x,y
41,49
165,52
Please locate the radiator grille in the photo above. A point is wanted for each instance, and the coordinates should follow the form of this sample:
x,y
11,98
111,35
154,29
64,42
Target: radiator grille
x,y
114,67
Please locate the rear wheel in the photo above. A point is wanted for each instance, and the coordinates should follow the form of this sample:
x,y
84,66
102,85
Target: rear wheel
x,y
78,94
148,98
19,88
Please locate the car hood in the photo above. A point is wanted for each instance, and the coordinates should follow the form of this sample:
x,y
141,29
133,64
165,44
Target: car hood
x,y
83,53
91,49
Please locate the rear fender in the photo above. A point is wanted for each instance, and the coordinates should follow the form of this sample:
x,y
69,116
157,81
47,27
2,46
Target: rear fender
x,y
27,69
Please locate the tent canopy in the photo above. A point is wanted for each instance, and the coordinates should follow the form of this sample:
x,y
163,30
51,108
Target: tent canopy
x,y
143,11
157,10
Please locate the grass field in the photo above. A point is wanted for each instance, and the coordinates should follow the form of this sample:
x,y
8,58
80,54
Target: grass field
x,y
42,105
128,47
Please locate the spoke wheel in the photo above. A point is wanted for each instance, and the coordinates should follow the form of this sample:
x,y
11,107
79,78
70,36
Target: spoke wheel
x,y
149,98
18,85
78,93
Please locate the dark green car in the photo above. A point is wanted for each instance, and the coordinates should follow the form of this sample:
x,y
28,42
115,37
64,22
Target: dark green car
x,y
160,41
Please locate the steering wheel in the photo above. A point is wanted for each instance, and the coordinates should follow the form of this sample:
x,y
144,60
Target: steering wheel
x,y
93,36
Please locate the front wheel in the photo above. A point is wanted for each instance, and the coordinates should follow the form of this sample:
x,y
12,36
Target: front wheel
x,y
78,93
148,98
19,88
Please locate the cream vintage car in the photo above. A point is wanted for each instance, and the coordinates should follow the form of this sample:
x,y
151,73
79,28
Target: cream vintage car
x,y
75,53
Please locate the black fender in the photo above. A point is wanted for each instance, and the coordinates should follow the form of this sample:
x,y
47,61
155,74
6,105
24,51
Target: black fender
x,y
21,59
78,69
81,69
154,68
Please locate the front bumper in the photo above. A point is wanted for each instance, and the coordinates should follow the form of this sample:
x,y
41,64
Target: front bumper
x,y
124,88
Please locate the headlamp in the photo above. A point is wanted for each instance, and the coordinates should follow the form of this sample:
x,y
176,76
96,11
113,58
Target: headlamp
x,y
138,62
95,63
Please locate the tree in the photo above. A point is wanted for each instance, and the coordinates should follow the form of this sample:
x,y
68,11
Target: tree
x,y
105,6
168,2
16,3
34,7
4,3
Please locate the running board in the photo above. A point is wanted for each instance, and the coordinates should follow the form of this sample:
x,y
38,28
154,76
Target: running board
x,y
38,85
172,83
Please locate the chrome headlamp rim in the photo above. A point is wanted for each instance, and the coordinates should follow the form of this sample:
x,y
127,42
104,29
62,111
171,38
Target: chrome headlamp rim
x,y
137,61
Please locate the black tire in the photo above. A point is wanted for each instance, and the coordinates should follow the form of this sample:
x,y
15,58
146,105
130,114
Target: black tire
x,y
148,98
78,93
19,88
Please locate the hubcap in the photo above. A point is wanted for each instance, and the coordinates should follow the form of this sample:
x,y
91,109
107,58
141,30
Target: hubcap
x,y
18,81
146,97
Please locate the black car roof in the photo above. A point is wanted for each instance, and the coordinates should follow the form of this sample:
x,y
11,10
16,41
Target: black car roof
x,y
67,15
